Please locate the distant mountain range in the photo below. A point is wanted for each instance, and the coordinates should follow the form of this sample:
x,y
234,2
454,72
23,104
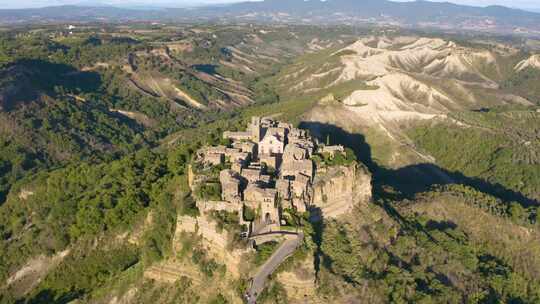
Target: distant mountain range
x,y
422,14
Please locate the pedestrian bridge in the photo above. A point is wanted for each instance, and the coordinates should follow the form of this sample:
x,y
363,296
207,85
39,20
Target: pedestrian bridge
x,y
272,236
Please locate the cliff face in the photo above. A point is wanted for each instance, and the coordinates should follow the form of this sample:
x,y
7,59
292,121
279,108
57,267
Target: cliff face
x,y
336,190
215,241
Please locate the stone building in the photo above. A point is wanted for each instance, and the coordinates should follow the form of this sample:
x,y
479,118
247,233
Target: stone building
x,y
252,175
265,200
265,181
332,150
272,144
269,160
293,168
300,185
294,152
237,166
214,159
304,143
255,129
246,147
278,145
230,186
283,187
237,135
236,155
214,156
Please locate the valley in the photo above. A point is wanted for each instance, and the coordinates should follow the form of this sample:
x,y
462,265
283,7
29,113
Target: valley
x,y
267,163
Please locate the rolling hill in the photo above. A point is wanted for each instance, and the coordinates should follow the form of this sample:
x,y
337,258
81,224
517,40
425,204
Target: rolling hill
x,y
386,82
422,14
99,127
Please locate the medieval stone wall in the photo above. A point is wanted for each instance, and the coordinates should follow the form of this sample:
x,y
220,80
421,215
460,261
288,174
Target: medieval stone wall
x,y
207,206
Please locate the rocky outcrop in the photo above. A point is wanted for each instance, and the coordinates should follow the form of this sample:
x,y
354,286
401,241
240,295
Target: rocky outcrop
x,y
336,190
32,273
532,62
215,240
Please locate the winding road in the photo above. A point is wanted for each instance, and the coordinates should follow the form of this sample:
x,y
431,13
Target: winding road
x,y
281,254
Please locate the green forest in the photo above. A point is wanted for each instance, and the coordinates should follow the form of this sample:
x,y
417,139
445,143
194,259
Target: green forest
x,y
97,154
501,148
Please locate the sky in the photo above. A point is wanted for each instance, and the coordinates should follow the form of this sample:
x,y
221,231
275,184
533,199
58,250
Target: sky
x,y
526,4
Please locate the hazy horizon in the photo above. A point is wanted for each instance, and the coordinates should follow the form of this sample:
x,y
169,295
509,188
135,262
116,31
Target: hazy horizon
x,y
523,4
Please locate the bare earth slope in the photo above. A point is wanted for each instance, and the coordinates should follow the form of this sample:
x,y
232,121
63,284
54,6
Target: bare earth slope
x,y
385,83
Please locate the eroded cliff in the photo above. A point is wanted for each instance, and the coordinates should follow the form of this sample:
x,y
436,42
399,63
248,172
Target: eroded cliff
x,y
336,190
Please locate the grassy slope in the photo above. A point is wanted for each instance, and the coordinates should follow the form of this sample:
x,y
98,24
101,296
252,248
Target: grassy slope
x,y
500,147
435,249
524,83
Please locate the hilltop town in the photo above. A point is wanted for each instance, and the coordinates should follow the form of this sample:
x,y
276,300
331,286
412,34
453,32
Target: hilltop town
x,y
265,169
132,171
258,186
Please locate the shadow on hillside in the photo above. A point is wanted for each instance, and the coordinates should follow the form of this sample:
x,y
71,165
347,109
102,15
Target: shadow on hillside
x,y
50,296
409,180
206,68
397,185
62,74
26,79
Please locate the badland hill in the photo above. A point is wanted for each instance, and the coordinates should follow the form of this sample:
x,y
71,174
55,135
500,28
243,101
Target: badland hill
x,y
227,164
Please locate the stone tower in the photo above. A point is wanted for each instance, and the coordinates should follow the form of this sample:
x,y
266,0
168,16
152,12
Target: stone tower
x,y
255,128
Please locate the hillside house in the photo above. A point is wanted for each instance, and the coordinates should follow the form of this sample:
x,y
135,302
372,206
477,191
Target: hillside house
x,y
230,185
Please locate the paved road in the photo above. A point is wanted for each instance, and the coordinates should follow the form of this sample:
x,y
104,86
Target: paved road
x,y
283,252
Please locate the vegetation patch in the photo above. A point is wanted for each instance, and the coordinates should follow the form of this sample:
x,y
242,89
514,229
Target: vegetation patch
x,y
499,149
345,53
264,251
338,159
525,82
82,272
208,266
209,191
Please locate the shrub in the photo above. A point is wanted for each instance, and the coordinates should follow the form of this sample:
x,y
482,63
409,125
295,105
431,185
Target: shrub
x,y
209,191
264,251
249,214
